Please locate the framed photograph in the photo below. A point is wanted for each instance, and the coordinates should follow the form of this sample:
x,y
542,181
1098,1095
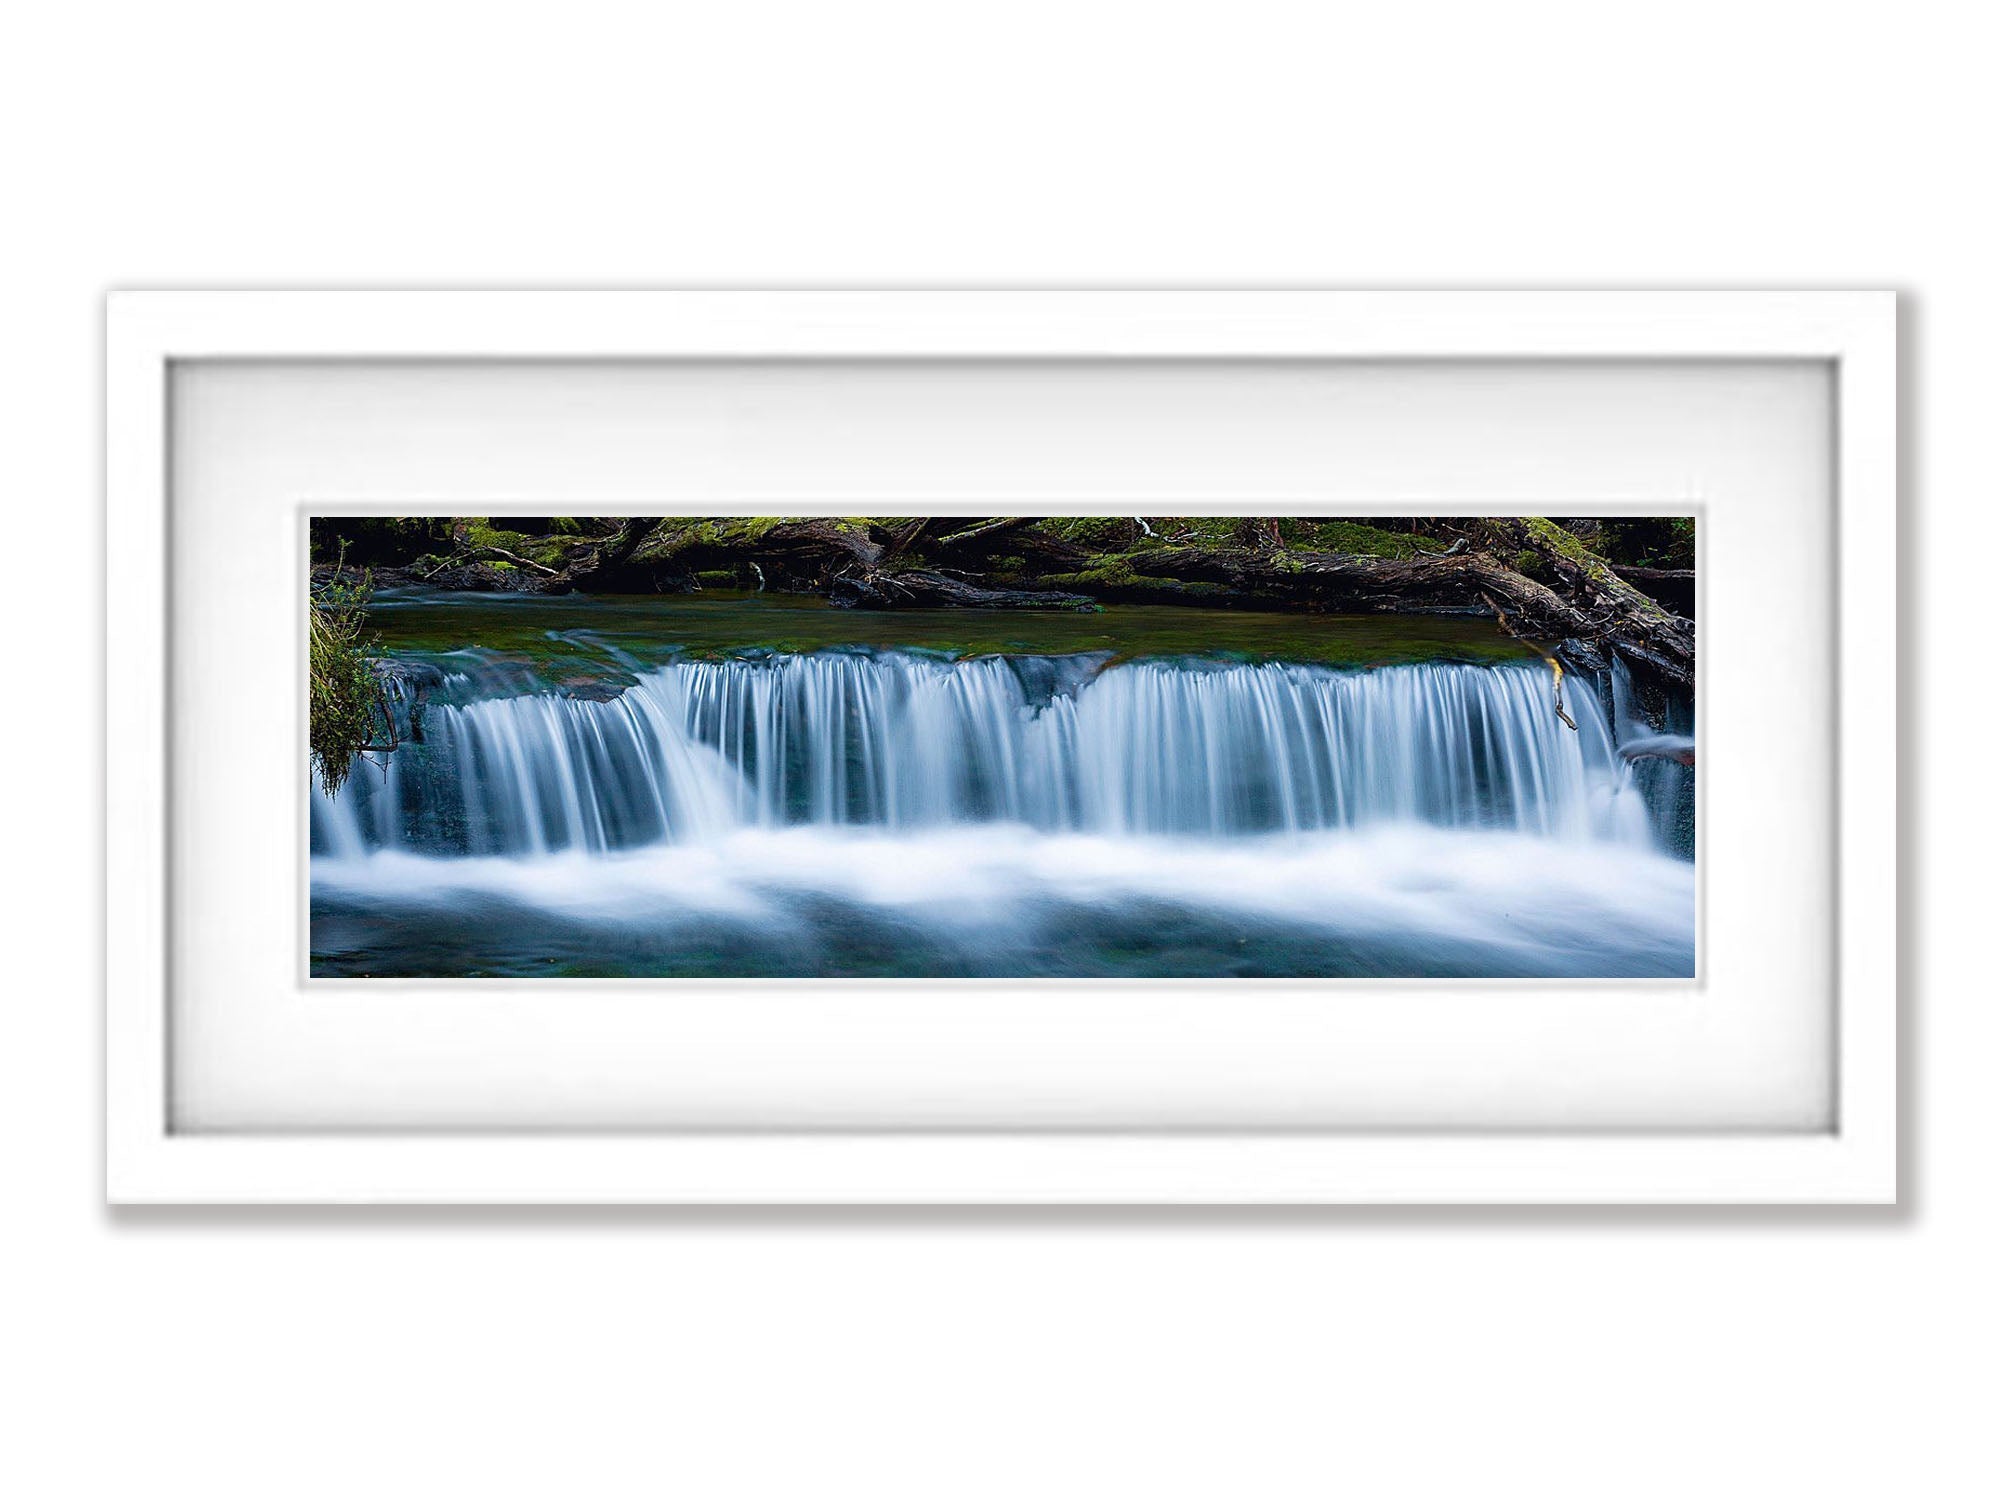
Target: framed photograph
x,y
1002,747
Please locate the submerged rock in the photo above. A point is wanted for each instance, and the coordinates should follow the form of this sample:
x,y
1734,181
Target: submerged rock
x,y
592,689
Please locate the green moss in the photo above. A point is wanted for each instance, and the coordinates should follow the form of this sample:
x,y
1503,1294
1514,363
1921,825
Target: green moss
x,y
664,540
1593,567
743,530
1114,572
727,531
549,551
1566,545
478,531
1100,532
1215,531
1556,539
727,534
1355,538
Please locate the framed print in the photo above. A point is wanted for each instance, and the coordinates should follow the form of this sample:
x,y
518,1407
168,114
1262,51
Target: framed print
x,y
1001,747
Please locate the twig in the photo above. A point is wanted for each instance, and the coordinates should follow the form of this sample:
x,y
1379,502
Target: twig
x,y
984,529
460,559
1554,665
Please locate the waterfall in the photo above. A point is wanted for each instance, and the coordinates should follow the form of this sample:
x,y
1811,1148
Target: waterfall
x,y
906,741
1664,786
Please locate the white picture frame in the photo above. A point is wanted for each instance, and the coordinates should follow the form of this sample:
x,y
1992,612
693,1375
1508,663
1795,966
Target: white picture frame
x,y
1849,1157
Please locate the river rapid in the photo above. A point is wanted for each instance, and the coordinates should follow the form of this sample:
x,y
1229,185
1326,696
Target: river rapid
x,y
731,787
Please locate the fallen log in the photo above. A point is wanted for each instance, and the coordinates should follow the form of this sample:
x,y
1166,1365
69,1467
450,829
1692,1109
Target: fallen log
x,y
905,536
983,536
1535,576
802,553
1588,601
1673,587
918,588
472,555
1585,607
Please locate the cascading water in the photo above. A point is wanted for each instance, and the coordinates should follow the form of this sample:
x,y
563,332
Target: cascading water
x,y
1660,774
905,741
849,812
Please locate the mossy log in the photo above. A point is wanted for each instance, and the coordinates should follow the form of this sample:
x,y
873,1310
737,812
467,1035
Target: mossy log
x,y
920,588
853,562
1540,579
1591,604
1673,587
1583,609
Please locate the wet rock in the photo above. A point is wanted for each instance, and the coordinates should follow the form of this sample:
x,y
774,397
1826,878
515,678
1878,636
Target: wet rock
x,y
1582,656
591,689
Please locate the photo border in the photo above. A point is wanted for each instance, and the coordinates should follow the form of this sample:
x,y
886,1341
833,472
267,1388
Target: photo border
x,y
148,331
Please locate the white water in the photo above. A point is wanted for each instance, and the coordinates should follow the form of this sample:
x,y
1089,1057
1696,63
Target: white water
x,y
901,742
1408,819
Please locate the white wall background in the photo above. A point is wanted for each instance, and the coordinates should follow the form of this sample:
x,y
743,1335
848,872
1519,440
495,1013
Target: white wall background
x,y
1586,1354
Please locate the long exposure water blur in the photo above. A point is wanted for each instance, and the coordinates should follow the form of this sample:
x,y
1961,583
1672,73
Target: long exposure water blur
x,y
727,786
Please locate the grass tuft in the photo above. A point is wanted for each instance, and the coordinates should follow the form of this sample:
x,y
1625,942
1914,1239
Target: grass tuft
x,y
347,714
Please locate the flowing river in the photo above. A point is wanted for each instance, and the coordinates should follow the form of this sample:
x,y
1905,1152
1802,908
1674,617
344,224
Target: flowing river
x,y
743,787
